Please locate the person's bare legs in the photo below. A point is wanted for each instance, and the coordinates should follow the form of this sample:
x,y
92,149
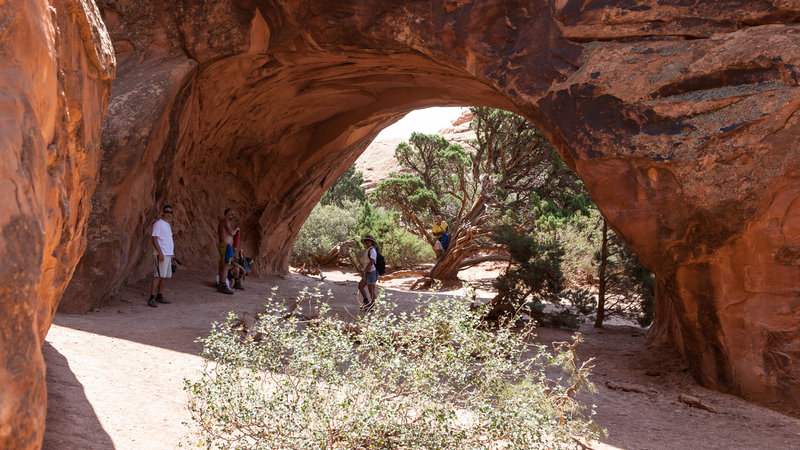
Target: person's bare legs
x,y
238,275
371,292
155,292
156,286
223,272
223,277
361,285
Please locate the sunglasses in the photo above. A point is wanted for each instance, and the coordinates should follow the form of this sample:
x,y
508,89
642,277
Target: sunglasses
x,y
167,212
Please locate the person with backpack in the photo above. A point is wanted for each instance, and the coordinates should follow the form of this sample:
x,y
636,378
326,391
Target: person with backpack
x,y
369,274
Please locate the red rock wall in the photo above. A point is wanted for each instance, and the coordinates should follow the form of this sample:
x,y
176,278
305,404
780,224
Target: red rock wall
x,y
693,158
56,67
681,120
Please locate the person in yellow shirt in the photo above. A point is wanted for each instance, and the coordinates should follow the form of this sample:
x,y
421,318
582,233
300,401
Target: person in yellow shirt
x,y
440,232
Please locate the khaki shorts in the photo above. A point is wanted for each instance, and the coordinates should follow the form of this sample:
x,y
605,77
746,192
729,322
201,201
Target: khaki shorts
x,y
163,268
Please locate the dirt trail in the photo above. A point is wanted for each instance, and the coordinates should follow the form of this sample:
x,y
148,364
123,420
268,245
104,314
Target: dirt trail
x,y
115,376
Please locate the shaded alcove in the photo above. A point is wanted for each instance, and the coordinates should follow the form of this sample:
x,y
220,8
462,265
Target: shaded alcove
x,y
261,105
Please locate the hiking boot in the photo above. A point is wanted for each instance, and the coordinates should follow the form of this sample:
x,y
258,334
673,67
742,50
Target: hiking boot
x,y
161,299
238,285
223,288
152,302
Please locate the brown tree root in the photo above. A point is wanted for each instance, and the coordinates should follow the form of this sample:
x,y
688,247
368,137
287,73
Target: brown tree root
x,y
696,403
626,387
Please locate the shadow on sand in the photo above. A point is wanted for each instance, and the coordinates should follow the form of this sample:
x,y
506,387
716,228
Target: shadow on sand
x,y
75,425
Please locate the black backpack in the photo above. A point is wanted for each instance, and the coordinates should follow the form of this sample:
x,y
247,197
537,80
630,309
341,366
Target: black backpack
x,y
380,263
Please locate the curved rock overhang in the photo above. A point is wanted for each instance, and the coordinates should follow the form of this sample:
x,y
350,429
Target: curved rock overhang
x,y
680,119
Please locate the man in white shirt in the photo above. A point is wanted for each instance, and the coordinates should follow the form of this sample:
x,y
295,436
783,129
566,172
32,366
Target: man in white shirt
x,y
163,253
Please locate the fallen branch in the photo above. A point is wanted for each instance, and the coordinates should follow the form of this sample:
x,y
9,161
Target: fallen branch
x,y
309,272
404,273
626,387
338,251
422,283
475,261
696,403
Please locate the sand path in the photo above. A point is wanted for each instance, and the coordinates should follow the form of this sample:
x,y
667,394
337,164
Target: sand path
x,y
115,376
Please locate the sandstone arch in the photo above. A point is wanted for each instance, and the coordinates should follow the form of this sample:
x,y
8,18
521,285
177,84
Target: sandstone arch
x,y
680,118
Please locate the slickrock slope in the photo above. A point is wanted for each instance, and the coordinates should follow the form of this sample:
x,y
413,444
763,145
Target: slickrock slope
x,y
378,161
680,116
56,72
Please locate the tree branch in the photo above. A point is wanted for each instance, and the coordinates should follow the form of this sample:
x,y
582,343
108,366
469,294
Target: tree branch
x,y
475,261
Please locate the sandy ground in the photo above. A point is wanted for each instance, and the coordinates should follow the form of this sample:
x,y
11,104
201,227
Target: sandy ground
x,y
115,376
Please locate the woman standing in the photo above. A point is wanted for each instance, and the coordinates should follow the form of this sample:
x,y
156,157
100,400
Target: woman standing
x,y
369,274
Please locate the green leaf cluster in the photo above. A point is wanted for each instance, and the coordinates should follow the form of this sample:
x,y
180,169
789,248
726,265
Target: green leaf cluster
x,y
346,189
535,275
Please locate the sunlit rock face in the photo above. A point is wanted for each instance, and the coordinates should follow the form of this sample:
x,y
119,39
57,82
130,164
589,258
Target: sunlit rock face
x,y
56,67
680,118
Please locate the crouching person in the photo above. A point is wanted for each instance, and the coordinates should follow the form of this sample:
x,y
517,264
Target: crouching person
x,y
239,270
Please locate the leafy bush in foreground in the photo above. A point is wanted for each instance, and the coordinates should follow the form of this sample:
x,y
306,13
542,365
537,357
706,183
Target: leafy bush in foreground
x,y
432,378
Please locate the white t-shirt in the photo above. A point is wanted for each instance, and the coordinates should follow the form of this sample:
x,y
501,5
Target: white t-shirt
x,y
371,253
163,232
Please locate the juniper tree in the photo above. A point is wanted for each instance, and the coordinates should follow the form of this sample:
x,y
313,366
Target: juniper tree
x,y
495,179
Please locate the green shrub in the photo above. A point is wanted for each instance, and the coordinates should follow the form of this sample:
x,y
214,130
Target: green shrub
x,y
397,245
403,249
378,222
346,189
581,299
535,272
432,378
580,239
326,226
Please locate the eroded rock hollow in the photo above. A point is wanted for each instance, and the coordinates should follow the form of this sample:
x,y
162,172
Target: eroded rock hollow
x,y
681,118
